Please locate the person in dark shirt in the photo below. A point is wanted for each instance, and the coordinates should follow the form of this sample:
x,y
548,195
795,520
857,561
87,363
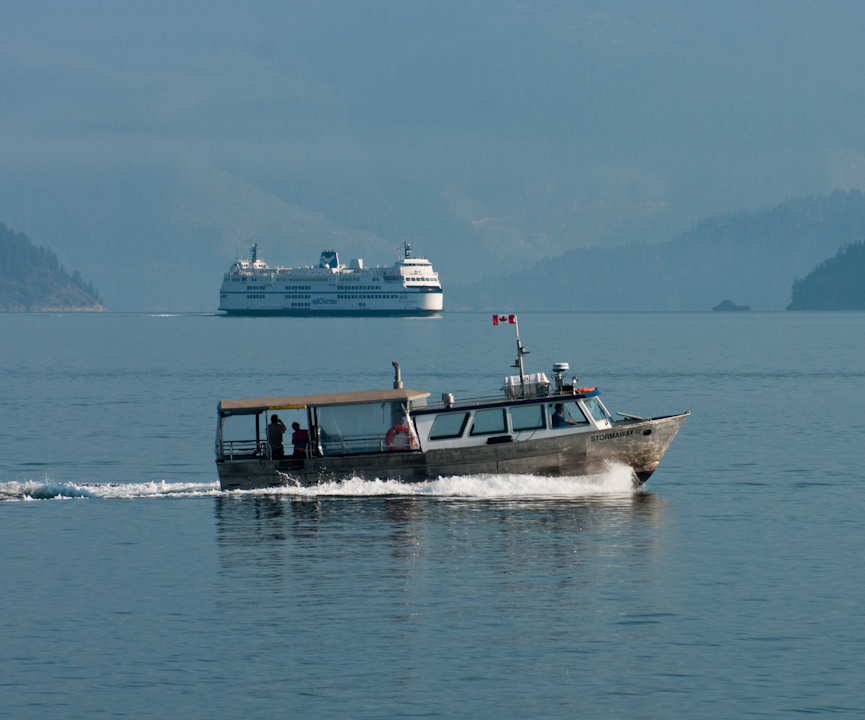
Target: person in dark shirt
x,y
299,438
559,419
275,431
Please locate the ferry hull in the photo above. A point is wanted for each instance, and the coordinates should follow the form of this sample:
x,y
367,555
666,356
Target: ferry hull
x,y
640,445
280,312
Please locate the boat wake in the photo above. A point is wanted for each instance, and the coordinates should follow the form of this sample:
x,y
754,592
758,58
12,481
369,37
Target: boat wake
x,y
616,480
48,490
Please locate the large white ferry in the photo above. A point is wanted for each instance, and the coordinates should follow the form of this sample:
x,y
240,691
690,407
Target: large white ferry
x,y
409,287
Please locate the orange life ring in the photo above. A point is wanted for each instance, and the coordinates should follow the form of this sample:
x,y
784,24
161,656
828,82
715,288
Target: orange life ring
x,y
398,438
585,390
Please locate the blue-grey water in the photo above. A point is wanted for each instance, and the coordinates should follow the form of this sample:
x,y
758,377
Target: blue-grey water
x,y
730,586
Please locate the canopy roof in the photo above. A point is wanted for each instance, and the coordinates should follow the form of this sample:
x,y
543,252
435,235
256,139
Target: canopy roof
x,y
254,405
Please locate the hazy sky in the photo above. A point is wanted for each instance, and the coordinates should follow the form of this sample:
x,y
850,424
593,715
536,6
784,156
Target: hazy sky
x,y
490,133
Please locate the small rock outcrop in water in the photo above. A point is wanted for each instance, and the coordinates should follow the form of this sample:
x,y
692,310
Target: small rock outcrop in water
x,y
33,280
730,306
835,284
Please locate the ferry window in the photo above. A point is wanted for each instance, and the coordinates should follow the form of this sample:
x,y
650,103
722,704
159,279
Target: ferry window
x,y
594,408
488,422
528,417
570,411
448,426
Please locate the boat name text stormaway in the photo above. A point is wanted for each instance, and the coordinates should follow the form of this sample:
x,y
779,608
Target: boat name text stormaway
x,y
610,436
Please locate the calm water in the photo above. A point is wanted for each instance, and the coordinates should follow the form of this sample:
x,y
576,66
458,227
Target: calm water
x,y
730,586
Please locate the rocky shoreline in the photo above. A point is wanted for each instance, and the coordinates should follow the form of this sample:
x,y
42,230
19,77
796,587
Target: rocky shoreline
x,y
48,309
46,293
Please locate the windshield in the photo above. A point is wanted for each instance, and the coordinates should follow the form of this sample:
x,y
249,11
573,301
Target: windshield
x,y
593,405
566,414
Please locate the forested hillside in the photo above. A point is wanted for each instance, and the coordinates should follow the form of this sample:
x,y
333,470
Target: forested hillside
x,y
835,284
750,258
32,279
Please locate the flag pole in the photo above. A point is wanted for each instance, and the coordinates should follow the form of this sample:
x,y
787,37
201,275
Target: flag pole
x,y
512,319
520,352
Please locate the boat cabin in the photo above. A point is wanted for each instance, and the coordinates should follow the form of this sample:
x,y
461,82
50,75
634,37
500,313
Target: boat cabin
x,y
400,420
488,421
371,421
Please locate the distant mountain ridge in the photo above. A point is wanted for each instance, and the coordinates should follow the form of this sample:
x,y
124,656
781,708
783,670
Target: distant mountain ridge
x,y
750,256
32,279
835,284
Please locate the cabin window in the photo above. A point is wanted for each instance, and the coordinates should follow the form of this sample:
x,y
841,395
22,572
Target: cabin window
x,y
488,422
448,426
593,405
346,429
238,428
238,434
528,417
570,412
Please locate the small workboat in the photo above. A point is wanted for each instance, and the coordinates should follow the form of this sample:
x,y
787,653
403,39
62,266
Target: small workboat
x,y
537,426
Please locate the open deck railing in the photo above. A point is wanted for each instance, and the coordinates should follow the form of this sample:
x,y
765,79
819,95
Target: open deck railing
x,y
235,449
459,404
240,449
463,402
361,444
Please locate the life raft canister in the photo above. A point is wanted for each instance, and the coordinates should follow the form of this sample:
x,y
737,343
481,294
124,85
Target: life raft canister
x,y
398,438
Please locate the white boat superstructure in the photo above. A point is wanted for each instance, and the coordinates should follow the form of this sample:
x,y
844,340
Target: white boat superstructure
x,y
409,287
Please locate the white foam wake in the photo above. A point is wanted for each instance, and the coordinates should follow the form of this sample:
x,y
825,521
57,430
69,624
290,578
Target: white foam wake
x,y
616,480
48,490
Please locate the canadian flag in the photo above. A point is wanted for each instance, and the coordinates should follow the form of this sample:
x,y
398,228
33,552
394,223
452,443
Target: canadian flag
x,y
504,319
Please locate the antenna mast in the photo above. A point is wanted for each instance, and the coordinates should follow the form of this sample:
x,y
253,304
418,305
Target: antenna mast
x,y
520,352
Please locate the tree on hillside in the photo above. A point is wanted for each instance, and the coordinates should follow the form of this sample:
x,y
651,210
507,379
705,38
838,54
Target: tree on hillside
x,y
835,284
32,277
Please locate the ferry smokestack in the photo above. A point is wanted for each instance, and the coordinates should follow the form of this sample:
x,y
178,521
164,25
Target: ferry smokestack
x,y
397,377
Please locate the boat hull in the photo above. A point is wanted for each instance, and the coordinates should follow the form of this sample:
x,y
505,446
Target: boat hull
x,y
638,444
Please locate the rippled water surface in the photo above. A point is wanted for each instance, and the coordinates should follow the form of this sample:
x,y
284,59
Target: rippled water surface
x,y
730,586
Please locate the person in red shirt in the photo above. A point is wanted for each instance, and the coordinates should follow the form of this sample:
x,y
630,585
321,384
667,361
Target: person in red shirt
x,y
299,438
